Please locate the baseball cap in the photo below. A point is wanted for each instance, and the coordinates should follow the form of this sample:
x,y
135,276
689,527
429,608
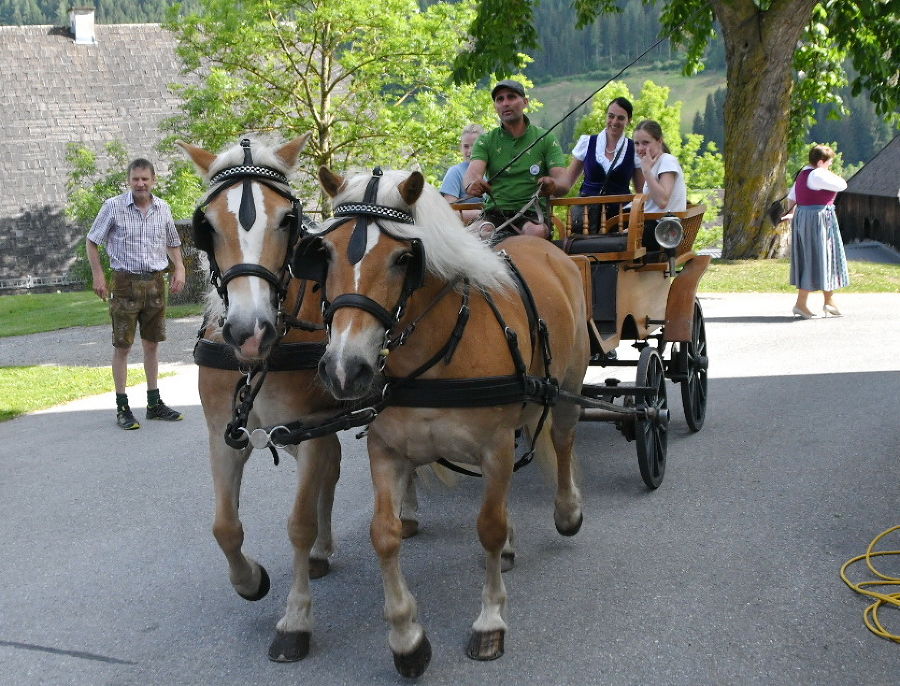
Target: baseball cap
x,y
514,86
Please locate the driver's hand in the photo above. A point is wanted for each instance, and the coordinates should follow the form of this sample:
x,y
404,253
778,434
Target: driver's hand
x,y
548,185
477,188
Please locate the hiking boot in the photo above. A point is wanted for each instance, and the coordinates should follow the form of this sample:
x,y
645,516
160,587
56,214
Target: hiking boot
x,y
125,419
164,412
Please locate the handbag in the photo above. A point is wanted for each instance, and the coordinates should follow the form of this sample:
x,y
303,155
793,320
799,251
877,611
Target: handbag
x,y
779,208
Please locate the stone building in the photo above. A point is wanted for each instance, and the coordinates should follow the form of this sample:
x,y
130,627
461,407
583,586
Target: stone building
x,y
84,84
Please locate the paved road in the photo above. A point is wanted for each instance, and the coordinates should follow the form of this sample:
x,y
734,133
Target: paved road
x,y
726,574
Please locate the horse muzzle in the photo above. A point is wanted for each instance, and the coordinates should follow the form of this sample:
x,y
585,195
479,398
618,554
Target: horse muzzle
x,y
252,341
346,378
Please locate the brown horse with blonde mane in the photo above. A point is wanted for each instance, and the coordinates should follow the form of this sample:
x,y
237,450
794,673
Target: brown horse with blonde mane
x,y
466,347
264,336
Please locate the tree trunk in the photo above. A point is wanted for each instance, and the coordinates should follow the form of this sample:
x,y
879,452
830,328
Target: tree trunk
x,y
759,47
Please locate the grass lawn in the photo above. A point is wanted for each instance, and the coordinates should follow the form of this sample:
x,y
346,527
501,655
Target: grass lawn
x,y
37,312
26,389
772,276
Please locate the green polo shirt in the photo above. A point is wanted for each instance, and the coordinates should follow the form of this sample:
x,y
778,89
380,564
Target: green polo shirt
x,y
515,186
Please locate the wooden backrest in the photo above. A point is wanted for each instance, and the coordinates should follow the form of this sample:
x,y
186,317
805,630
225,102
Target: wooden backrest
x,y
691,220
633,248
581,206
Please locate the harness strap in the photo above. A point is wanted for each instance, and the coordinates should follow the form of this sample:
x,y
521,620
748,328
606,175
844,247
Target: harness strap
x,y
247,210
481,392
361,302
291,320
285,357
449,347
245,393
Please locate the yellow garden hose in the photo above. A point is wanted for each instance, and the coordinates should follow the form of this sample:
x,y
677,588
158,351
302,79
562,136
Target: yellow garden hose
x,y
870,615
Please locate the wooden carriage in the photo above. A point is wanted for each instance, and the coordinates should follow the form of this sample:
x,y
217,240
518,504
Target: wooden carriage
x,y
642,293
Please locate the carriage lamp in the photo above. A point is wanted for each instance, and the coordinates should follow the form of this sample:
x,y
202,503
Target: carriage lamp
x,y
668,233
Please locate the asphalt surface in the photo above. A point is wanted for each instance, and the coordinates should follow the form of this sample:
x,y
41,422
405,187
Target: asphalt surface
x,y
728,573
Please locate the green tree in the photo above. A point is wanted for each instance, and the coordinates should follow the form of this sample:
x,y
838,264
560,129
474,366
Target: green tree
x,y
369,78
766,42
88,186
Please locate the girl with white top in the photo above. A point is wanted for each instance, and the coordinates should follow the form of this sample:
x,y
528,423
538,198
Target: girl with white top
x,y
664,183
818,262
664,187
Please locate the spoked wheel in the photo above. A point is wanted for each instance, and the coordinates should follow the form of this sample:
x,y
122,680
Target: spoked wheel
x,y
652,430
692,361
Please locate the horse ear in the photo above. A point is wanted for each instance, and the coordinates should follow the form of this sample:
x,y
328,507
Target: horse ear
x,y
411,189
288,152
330,181
202,159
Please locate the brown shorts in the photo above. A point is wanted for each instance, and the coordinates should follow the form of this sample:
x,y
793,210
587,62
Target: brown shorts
x,y
133,299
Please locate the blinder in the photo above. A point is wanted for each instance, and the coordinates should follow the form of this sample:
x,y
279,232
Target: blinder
x,y
310,260
201,231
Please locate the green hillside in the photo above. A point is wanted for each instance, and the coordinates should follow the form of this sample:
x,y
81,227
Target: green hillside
x,y
560,95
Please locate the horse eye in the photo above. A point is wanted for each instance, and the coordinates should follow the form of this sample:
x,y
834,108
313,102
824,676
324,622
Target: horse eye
x,y
286,221
404,259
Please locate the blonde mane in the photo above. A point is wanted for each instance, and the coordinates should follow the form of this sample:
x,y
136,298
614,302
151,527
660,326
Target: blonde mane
x,y
451,250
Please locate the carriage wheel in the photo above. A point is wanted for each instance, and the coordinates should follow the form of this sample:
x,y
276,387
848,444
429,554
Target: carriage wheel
x,y
652,431
693,362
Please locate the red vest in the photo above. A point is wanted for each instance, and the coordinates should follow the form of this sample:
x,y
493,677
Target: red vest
x,y
807,196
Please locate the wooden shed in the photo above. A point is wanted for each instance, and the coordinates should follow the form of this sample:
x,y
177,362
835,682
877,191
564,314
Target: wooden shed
x,y
870,207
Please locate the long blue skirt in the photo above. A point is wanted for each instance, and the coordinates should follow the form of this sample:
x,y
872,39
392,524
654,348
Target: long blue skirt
x,y
818,262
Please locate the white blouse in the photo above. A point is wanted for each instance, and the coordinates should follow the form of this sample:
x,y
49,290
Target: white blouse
x,y
579,152
820,179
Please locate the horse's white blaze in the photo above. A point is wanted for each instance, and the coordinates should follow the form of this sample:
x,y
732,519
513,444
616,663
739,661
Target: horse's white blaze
x,y
251,241
372,235
339,339
255,294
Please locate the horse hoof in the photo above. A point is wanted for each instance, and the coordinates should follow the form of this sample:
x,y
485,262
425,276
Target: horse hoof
x,y
573,530
485,645
263,589
507,561
318,568
289,646
412,665
408,528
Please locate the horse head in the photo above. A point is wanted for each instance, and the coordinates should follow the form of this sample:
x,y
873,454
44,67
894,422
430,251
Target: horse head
x,y
247,224
393,237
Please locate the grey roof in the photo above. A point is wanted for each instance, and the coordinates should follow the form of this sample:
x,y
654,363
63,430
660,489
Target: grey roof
x,y
55,92
881,175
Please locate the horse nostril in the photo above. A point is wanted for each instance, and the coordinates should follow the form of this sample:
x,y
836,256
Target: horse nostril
x,y
227,335
360,376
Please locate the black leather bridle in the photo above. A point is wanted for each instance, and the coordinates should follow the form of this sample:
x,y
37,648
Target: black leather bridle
x,y
247,173
310,257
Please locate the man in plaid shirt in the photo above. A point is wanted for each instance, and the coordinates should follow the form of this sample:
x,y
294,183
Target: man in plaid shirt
x,y
140,238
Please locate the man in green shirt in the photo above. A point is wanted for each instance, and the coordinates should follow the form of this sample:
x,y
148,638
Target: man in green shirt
x,y
542,167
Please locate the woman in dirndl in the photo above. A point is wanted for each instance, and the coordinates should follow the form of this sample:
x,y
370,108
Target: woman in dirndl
x,y
610,164
818,262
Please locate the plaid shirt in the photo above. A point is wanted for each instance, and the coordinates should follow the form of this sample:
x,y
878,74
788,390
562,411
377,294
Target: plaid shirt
x,y
134,242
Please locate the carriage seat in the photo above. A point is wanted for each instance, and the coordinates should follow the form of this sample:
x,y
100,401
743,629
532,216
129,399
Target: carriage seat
x,y
595,243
